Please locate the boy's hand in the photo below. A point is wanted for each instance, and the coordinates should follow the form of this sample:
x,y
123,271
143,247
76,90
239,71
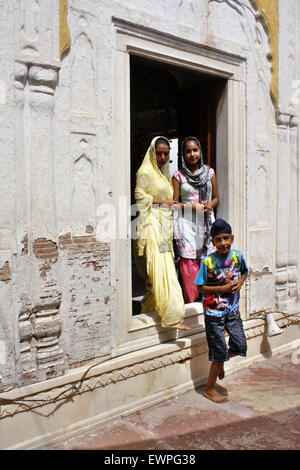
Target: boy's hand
x,y
232,287
226,289
236,285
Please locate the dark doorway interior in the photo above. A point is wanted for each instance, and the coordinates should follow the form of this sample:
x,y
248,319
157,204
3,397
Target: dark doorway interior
x,y
175,102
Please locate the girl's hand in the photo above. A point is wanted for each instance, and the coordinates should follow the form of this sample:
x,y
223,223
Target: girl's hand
x,y
207,207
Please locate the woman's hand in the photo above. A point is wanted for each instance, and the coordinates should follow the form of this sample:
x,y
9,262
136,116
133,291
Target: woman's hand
x,y
168,202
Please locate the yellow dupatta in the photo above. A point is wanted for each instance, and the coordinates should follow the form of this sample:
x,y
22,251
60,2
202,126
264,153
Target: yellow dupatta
x,y
155,226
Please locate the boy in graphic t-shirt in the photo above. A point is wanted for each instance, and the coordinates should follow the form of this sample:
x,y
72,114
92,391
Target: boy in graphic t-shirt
x,y
220,278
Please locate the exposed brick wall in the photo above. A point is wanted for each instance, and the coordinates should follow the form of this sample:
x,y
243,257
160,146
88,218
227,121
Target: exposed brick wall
x,y
5,275
45,249
75,292
86,296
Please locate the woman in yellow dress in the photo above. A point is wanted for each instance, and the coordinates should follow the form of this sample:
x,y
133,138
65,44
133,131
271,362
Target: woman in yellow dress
x,y
154,198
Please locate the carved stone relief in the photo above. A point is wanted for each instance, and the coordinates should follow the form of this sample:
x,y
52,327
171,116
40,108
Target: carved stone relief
x,y
287,275
258,22
30,24
83,98
286,289
83,197
291,76
287,60
28,362
36,30
264,164
186,13
83,121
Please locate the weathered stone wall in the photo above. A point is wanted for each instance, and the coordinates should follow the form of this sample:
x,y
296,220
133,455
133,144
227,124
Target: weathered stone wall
x,y
56,132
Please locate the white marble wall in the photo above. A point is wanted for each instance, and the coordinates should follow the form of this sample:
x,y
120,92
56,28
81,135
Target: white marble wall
x,y
287,248
235,25
57,298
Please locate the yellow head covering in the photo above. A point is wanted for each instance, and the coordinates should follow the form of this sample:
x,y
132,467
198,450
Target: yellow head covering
x,y
150,163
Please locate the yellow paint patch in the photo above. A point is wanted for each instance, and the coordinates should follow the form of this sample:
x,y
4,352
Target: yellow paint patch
x,y
65,36
269,11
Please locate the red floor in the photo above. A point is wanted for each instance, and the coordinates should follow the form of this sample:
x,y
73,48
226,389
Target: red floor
x,y
263,414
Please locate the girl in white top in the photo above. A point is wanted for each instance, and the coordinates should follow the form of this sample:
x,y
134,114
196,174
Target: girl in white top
x,y
195,189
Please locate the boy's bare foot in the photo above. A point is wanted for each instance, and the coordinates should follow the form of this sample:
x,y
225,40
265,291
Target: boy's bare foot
x,y
212,394
221,373
182,327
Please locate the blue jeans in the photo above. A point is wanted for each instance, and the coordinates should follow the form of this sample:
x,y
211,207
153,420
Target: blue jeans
x,y
215,335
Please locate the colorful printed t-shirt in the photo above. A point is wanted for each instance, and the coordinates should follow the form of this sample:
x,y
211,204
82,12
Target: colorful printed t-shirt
x,y
217,271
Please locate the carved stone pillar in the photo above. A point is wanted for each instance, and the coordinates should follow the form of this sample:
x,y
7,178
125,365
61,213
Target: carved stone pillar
x,y
27,357
27,360
39,353
46,296
21,73
47,328
42,82
287,220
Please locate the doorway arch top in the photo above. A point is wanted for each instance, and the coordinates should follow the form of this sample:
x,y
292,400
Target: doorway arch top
x,y
135,39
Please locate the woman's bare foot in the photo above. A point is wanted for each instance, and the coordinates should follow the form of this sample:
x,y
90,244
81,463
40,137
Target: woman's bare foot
x,y
212,394
221,373
182,327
